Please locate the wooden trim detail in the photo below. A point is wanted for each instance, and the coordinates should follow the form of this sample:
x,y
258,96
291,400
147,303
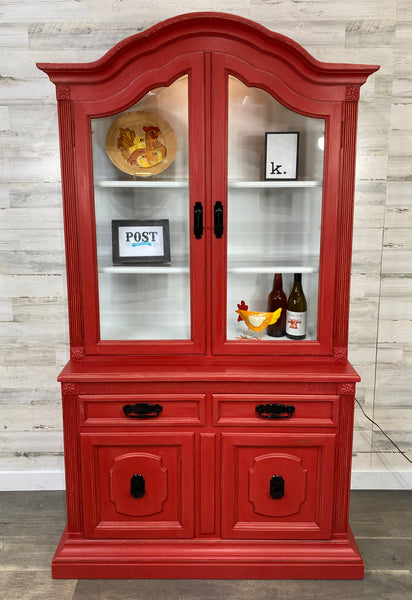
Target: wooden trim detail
x,y
77,353
200,26
352,93
70,389
63,93
345,220
343,461
207,482
340,355
347,389
67,144
71,424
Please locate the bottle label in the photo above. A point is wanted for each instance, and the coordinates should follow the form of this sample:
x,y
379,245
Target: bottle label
x,y
295,323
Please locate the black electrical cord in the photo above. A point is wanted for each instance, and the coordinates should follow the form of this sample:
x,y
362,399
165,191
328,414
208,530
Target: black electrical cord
x,y
385,434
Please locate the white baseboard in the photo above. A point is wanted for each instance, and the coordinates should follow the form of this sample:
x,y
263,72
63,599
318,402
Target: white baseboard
x,y
54,480
381,480
32,480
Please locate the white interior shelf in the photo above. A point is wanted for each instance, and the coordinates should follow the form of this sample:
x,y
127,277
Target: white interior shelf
x,y
309,264
239,330
275,268
144,269
151,183
290,264
274,184
134,183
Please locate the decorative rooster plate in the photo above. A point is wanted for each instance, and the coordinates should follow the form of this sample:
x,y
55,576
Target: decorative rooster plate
x,y
141,143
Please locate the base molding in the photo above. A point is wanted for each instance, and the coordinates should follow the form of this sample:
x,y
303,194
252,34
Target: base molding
x,y
207,559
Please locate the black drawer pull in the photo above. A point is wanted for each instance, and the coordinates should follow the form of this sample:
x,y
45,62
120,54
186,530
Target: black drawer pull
x,y
143,410
275,411
137,486
277,487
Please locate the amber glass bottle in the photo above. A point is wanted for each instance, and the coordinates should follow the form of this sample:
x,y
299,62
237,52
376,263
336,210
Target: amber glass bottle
x,y
277,299
296,311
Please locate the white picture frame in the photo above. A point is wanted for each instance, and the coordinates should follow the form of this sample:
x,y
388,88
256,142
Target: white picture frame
x,y
281,155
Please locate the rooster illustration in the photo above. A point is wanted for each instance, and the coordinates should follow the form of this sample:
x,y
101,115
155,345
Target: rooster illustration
x,y
257,321
144,151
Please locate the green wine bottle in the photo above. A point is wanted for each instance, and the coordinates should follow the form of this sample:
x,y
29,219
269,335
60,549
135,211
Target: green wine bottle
x,y
296,311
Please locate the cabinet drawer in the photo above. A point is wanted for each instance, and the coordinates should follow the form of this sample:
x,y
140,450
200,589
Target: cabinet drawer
x,y
138,485
271,410
277,485
143,410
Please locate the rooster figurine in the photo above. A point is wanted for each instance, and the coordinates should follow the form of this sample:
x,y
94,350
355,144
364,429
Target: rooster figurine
x,y
257,321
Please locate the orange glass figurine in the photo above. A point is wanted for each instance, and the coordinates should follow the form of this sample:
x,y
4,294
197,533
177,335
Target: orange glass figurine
x,y
257,321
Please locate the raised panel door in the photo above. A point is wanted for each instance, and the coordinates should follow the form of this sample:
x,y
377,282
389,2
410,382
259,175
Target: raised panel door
x,y
138,485
277,486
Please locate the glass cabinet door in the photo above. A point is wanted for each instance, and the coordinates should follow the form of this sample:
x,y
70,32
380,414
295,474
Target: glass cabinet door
x,y
141,190
274,206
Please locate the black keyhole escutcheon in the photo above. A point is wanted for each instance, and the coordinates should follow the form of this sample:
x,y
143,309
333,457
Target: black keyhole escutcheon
x,y
137,486
277,487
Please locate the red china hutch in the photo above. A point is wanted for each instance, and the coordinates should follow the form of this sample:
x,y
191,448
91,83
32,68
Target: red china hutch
x,y
191,450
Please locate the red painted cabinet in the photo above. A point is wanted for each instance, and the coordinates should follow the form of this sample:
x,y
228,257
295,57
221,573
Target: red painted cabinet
x,y
198,159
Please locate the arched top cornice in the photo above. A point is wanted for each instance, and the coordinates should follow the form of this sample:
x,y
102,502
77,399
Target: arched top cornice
x,y
208,32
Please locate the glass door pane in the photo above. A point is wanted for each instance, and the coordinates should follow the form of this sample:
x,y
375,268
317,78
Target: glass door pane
x,y
141,172
274,204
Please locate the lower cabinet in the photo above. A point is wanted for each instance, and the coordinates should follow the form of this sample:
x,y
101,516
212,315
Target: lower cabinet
x,y
202,480
272,486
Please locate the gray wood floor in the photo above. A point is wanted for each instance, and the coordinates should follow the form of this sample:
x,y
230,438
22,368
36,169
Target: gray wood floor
x,y
31,524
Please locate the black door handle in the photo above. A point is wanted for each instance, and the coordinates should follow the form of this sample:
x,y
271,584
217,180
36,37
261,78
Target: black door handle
x,y
198,220
218,214
137,486
277,487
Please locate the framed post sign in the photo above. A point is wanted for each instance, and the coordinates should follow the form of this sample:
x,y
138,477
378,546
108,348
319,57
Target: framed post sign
x,y
141,242
281,155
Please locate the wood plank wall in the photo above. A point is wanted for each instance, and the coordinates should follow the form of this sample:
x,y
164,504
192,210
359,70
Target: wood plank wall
x,y
33,314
